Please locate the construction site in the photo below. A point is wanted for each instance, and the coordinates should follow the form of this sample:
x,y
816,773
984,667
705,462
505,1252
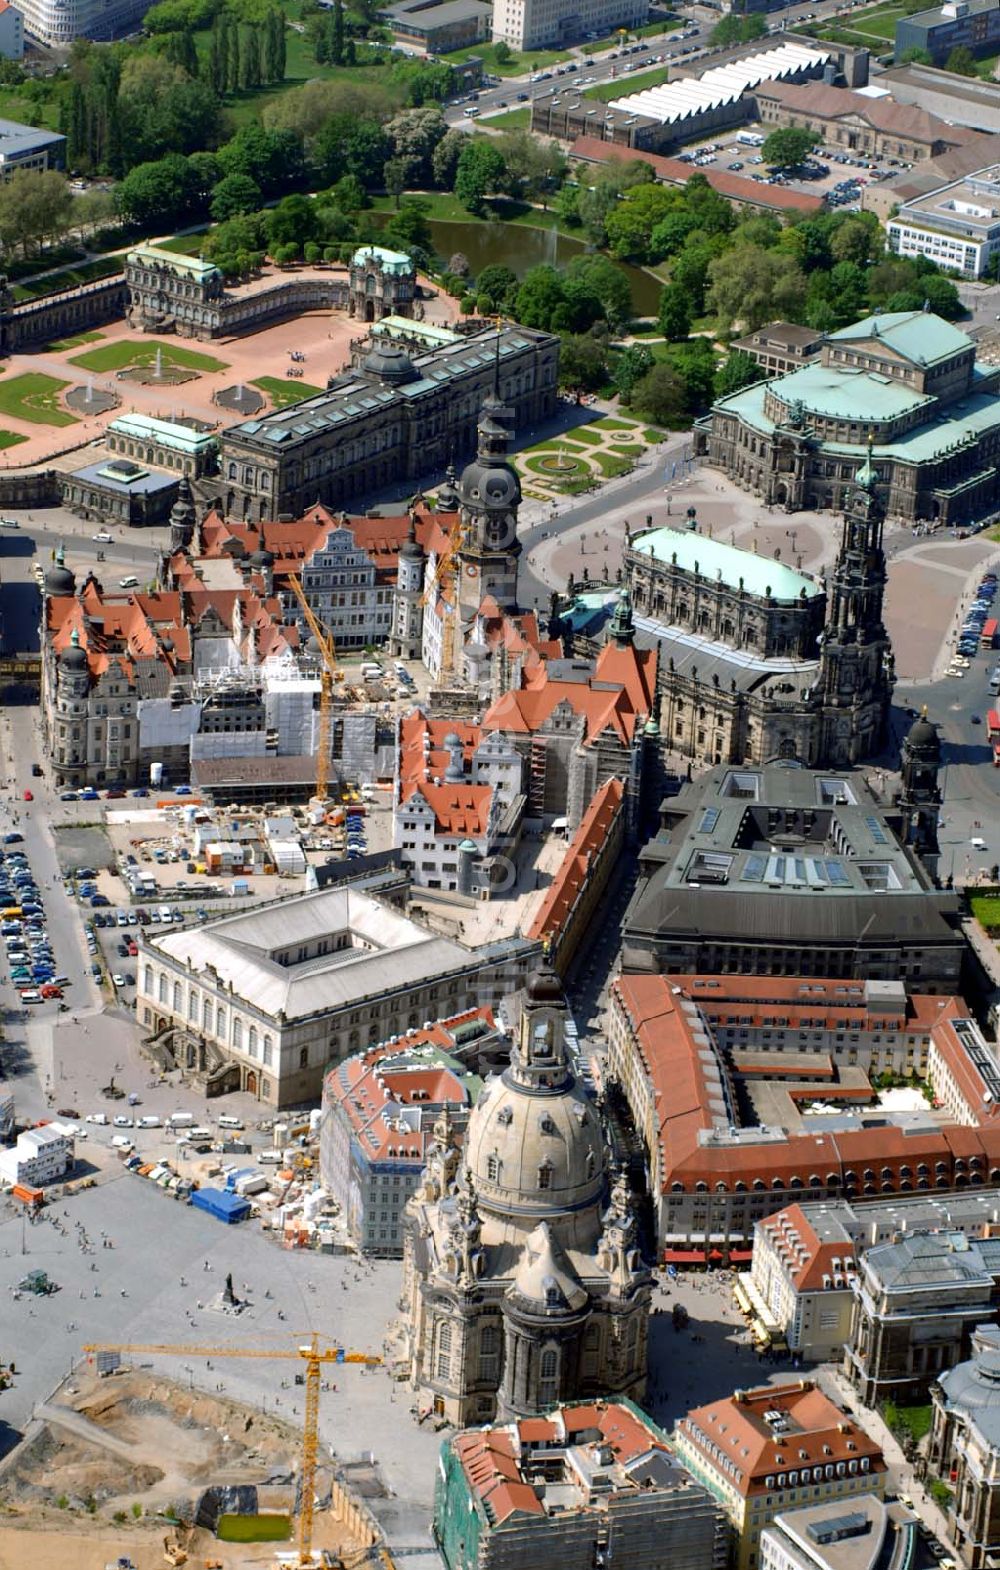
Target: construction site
x,y
124,1469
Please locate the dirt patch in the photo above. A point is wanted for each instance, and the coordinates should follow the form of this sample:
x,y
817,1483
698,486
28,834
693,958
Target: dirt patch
x,y
115,1462
83,845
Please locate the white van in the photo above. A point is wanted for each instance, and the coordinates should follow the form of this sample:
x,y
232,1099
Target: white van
x,y
198,1133
226,1120
150,1121
122,1142
180,1120
271,1158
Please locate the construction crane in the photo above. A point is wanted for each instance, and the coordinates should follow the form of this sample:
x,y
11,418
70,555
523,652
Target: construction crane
x,y
329,673
314,1356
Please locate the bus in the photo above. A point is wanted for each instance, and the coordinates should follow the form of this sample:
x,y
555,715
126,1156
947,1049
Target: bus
x,y
993,735
988,636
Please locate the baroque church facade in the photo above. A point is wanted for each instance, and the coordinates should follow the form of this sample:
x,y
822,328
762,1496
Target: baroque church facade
x,y
524,1285
808,677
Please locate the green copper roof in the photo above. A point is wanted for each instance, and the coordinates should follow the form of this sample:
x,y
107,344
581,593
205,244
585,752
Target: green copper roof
x,y
919,336
392,261
143,427
843,393
964,421
726,563
192,266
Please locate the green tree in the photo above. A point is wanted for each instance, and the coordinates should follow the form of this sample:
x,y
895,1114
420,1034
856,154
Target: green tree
x,y
583,363
660,395
538,297
414,134
479,172
179,50
250,62
787,147
689,270
738,370
235,194
754,286
396,175
608,282
915,55
961,61
857,238
630,225
694,363
444,160
674,316
293,222
630,367
337,34
503,54
497,284
409,227
273,158
157,194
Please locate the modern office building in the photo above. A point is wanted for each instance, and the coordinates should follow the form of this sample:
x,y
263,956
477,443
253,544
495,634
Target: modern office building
x,y
763,1452
58,22
584,1485
957,226
969,24
862,1536
439,26
542,24
905,381
11,31
789,872
24,147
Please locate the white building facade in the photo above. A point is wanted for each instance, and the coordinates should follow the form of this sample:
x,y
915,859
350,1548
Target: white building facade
x,y
957,226
536,24
41,1156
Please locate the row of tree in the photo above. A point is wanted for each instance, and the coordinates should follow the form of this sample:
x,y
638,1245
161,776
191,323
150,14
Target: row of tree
x,y
244,56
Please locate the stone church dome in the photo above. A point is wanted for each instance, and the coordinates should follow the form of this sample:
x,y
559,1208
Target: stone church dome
x,y
534,1145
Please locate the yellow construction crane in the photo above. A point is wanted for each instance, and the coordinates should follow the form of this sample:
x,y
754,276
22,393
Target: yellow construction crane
x,y
329,673
310,1353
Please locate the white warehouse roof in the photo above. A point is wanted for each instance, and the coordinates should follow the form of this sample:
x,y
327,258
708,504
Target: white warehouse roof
x,y
690,95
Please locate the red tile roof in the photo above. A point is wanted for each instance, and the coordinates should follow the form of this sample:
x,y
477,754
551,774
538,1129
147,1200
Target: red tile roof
x,y
459,810
574,869
736,187
422,754
819,1433
810,1263
662,1035
819,101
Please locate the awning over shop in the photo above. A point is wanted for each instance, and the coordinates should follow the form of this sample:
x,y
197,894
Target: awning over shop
x,y
683,1256
743,1301
740,1256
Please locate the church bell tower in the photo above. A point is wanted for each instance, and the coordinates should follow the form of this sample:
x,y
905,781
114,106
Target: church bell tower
x,y
489,495
856,670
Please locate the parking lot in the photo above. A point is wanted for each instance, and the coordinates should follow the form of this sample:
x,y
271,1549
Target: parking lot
x,y
837,176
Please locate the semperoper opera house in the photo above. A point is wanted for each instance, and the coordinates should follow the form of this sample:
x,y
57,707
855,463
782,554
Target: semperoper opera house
x,y
908,381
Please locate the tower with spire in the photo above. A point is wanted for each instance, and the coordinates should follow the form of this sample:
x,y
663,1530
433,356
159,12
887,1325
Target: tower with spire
x,y
919,797
853,686
489,495
406,633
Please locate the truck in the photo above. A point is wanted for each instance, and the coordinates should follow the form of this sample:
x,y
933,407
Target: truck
x,y
988,636
993,735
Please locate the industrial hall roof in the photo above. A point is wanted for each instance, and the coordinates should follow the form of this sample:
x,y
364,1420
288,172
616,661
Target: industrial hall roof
x,y
822,102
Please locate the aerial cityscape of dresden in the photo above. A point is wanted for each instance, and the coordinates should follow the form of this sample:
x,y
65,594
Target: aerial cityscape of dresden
x,y
500,827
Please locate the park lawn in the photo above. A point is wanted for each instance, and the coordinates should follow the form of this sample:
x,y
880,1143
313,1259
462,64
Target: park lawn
x,y
34,397
119,356
254,1528
509,120
625,86
184,244
587,437
60,345
608,424
517,65
648,30
627,449
986,908
10,439
651,434
610,465
43,115
67,278
282,393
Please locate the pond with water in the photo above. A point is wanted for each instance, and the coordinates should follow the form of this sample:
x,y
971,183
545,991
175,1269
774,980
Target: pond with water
x,y
518,247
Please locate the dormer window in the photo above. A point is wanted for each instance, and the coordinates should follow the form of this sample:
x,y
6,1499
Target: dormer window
x,y
494,1167
545,1175
505,1117
546,1124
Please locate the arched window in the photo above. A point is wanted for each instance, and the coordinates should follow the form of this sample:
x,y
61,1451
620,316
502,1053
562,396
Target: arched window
x,y
494,1167
252,1041
192,1005
177,997
147,980
162,989
238,1034
268,1051
220,1023
206,1015
443,1368
545,1175
549,1366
